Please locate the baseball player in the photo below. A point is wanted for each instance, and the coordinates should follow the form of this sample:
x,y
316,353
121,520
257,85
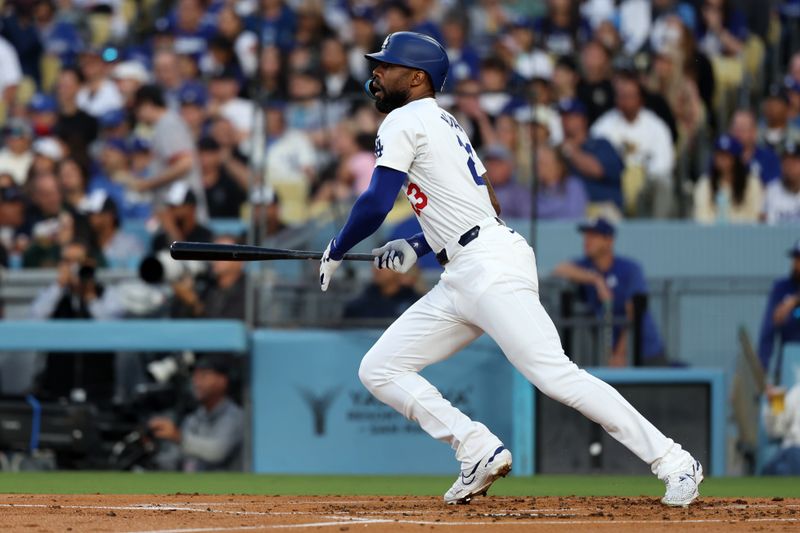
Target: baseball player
x,y
489,283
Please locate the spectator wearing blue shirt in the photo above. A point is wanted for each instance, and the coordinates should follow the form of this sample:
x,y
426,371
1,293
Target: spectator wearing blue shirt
x,y
563,30
607,279
515,199
593,159
561,196
19,29
782,314
761,160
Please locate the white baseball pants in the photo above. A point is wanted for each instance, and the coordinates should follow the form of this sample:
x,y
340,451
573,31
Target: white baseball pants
x,y
491,286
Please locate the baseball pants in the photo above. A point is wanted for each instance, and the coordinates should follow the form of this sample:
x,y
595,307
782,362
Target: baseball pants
x,y
491,286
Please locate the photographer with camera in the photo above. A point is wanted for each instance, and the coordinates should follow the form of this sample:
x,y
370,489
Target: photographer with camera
x,y
76,293
211,437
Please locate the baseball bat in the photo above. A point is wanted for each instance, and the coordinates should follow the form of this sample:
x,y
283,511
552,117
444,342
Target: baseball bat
x,y
206,251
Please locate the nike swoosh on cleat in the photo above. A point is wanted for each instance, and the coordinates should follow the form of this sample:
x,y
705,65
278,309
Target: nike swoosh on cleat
x,y
470,474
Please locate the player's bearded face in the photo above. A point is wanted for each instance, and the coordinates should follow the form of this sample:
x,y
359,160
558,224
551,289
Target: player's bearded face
x,y
388,100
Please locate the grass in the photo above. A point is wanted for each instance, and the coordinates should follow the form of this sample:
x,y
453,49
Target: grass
x,y
227,483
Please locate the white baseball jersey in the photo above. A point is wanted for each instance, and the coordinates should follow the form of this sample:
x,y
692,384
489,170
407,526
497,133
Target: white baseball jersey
x,y
444,184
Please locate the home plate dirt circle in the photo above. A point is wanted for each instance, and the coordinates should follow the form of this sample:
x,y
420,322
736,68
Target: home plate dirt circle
x,y
184,513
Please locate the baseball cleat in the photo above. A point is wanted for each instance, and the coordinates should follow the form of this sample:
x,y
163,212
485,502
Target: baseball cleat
x,y
476,481
682,486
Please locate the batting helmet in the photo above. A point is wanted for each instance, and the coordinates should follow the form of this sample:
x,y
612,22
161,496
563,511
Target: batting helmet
x,y
415,50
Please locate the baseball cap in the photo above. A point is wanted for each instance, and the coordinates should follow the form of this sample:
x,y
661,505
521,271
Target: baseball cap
x,y
217,362
17,127
42,103
264,195
497,152
180,194
97,202
116,144
794,251
598,225
193,93
130,70
571,105
779,92
727,143
139,144
207,144
11,193
48,147
113,118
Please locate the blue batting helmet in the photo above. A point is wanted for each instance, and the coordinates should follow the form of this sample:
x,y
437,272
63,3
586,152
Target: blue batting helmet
x,y
415,50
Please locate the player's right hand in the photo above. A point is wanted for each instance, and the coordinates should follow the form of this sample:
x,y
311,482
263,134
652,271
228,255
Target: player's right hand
x,y
396,255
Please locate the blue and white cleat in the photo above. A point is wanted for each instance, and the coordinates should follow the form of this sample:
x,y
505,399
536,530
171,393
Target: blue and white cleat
x,y
682,486
476,481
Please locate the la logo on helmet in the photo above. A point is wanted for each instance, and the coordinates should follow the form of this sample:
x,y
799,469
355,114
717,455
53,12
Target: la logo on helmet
x,y
386,42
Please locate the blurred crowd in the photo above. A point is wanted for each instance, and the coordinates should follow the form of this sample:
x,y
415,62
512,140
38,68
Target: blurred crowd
x,y
128,124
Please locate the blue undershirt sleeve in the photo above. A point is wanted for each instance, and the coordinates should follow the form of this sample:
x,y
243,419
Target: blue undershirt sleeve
x,y
370,210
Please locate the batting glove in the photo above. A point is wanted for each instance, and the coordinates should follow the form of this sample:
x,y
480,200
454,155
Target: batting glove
x,y
327,267
396,255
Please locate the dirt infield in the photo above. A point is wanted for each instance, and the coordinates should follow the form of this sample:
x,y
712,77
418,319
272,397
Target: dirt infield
x,y
184,513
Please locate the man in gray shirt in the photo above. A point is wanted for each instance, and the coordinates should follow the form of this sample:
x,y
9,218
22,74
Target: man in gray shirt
x,y
211,437
174,152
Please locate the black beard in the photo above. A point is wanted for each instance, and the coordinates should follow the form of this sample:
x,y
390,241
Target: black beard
x,y
391,101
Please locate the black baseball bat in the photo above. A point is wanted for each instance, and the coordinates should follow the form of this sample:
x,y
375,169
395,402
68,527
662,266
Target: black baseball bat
x,y
207,251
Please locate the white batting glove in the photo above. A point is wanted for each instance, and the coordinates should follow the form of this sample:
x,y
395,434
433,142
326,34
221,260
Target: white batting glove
x,y
327,267
396,255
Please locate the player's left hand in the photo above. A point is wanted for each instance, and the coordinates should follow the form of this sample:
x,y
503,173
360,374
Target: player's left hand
x,y
396,255
327,267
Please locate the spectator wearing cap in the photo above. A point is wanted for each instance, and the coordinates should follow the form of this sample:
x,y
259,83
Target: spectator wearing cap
x,y
47,153
221,297
562,30
120,249
193,98
776,129
114,124
782,197
595,89
114,172
759,158
179,221
99,94
781,320
605,280
729,193
592,159
515,200
43,113
16,157
224,194
561,195
10,76
174,152
644,142
75,127
527,59
129,76
211,437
